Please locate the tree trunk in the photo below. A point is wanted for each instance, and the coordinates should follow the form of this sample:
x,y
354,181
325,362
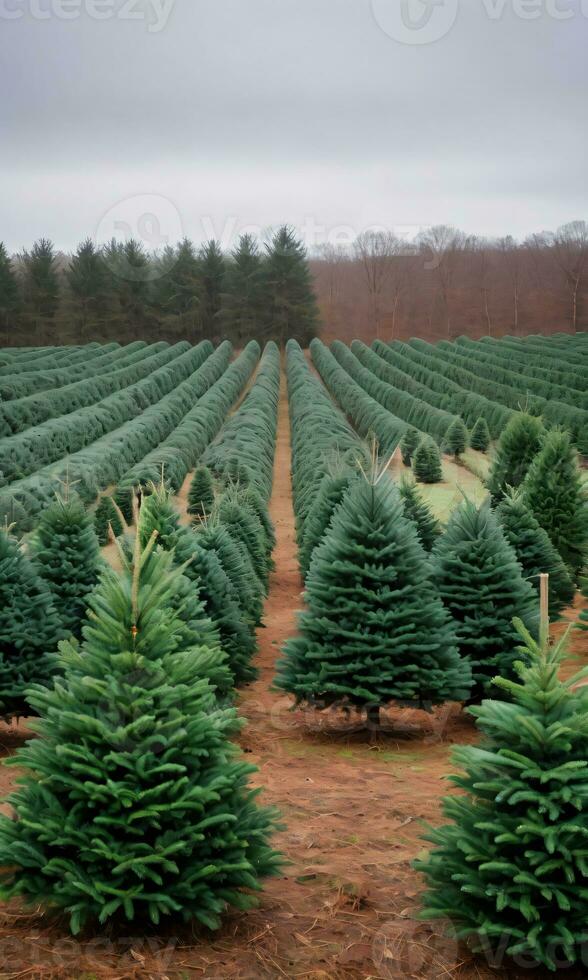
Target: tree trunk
x,y
373,718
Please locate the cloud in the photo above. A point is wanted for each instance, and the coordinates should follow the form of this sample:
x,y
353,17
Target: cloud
x,y
277,110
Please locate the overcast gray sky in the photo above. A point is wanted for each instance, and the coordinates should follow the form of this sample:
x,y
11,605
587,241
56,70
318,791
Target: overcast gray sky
x,y
332,115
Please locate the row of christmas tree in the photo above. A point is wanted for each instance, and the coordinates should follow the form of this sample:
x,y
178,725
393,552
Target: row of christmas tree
x,y
146,806
399,609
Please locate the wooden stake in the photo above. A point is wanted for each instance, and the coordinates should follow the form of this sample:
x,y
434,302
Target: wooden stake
x,y
543,609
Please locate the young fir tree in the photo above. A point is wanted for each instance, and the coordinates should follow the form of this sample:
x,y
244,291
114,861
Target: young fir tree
x,y
29,628
135,804
237,564
245,526
408,444
509,866
105,517
535,551
331,491
456,438
555,494
517,447
204,569
426,462
290,302
480,436
374,630
9,295
583,621
482,586
67,556
418,511
201,492
123,499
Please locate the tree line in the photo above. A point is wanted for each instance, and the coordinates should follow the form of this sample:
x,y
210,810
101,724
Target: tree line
x,y
122,292
445,283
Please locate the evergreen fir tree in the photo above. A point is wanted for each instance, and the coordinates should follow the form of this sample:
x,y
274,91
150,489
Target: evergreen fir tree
x,y
583,621
67,555
201,492
518,445
216,591
175,290
29,628
329,495
290,305
211,273
535,551
106,516
408,444
221,603
87,279
135,805
555,494
123,499
40,284
418,511
238,567
480,436
426,462
244,301
245,526
129,284
9,295
456,438
510,865
252,498
481,584
374,630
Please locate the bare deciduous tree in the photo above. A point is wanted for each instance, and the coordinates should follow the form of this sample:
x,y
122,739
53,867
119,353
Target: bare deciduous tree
x,y
570,244
442,246
377,251
511,257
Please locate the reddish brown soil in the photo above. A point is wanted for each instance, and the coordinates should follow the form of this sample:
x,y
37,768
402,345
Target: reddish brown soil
x,y
346,905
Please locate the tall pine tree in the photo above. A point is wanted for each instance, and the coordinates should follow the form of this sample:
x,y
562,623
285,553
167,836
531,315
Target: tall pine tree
x,y
67,555
291,309
211,277
135,805
244,300
482,586
509,866
29,628
555,494
41,288
374,630
87,279
9,297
